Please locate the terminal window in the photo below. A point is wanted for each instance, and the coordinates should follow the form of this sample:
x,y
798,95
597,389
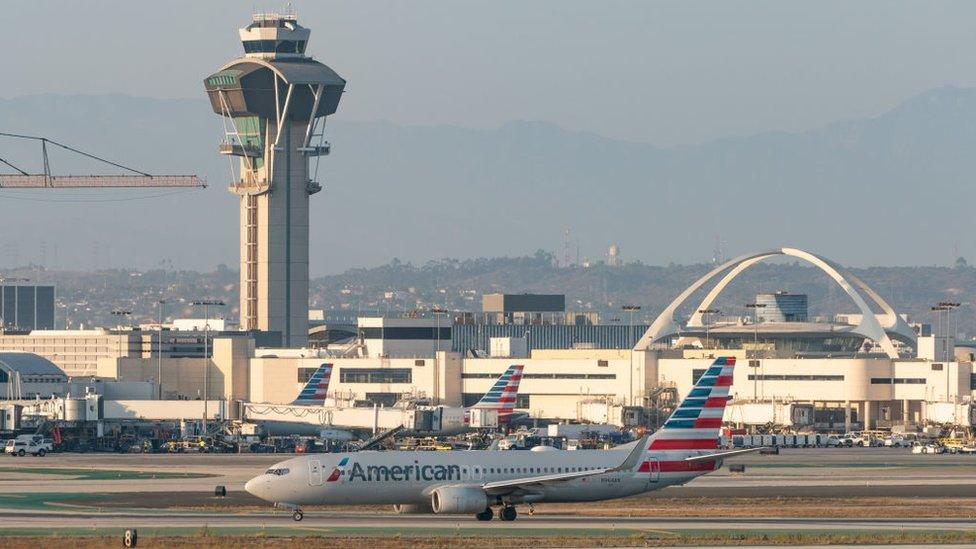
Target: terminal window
x,y
797,377
898,380
375,375
305,374
483,375
383,399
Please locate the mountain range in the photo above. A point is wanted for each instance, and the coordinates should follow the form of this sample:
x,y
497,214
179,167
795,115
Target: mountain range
x,y
884,190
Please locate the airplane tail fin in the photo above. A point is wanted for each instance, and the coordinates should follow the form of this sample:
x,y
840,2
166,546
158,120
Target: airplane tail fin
x,y
316,388
503,393
696,423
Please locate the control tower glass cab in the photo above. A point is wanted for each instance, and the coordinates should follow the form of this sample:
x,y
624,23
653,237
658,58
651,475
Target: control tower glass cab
x,y
274,101
273,36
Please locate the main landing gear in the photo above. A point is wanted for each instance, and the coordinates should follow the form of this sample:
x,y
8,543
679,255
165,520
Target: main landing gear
x,y
506,513
297,515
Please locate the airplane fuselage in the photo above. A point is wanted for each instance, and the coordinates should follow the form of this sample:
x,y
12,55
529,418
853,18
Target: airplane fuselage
x,y
411,477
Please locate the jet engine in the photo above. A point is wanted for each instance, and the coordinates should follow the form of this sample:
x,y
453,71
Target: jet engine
x,y
412,508
458,500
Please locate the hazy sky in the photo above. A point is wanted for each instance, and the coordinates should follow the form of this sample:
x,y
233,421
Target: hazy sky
x,y
664,73
659,72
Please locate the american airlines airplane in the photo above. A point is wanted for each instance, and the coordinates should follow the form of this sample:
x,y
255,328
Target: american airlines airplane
x,y
477,481
312,399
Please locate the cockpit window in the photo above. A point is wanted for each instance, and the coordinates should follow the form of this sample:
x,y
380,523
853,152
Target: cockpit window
x,y
277,472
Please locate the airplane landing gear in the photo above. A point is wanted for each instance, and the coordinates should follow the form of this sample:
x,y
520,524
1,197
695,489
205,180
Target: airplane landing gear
x,y
487,514
297,515
508,513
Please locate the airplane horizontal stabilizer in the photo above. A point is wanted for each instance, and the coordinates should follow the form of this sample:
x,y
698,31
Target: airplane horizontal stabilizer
x,y
721,455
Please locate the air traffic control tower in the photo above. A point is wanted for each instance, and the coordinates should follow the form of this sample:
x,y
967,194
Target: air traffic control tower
x,y
274,101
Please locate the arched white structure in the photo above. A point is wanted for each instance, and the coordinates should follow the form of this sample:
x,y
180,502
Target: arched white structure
x,y
877,327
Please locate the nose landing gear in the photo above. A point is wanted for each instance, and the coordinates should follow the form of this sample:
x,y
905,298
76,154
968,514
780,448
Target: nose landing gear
x,y
296,511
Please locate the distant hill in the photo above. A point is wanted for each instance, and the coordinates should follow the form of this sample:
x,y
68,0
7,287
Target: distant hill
x,y
884,190
88,297
458,285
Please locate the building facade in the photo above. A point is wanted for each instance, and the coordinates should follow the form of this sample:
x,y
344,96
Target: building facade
x,y
26,307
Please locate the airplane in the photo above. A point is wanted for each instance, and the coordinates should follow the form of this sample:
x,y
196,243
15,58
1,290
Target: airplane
x,y
317,387
501,397
475,481
298,417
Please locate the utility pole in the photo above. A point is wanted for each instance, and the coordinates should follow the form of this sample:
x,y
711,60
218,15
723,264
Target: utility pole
x,y
206,304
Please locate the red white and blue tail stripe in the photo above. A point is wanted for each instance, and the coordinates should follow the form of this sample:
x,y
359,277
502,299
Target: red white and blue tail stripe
x,y
697,422
503,393
317,387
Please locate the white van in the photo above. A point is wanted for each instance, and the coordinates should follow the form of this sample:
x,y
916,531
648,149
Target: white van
x,y
34,445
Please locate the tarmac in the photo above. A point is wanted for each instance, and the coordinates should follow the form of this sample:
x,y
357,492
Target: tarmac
x,y
69,492
794,472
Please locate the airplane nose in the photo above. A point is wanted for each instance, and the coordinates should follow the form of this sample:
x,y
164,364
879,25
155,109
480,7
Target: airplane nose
x,y
254,486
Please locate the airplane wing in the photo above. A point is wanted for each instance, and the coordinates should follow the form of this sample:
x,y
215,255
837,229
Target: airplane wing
x,y
721,455
505,486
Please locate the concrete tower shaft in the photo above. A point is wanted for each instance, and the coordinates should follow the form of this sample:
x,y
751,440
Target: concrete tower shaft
x,y
274,101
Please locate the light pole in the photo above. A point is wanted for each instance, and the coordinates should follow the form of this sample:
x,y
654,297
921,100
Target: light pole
x,y
705,313
437,316
206,304
755,344
121,313
631,309
159,351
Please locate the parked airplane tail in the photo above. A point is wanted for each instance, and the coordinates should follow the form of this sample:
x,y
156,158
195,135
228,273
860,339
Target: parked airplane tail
x,y
502,394
316,388
697,422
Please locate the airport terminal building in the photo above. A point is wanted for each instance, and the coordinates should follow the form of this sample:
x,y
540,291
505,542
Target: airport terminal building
x,y
869,369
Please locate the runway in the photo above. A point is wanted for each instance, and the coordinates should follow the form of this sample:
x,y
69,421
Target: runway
x,y
365,522
866,492
815,472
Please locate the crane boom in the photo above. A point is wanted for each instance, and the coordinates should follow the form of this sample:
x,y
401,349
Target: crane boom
x,y
139,179
41,181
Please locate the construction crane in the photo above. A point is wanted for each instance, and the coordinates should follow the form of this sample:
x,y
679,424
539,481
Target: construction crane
x,y
138,179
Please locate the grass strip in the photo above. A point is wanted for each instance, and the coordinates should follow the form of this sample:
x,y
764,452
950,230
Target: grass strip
x,y
499,538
